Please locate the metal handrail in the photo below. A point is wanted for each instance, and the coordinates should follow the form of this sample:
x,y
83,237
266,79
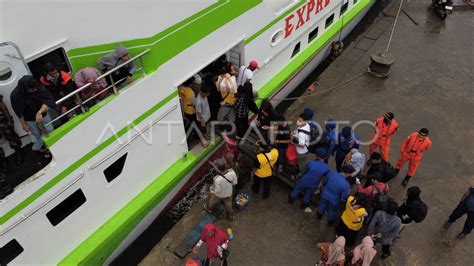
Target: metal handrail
x,y
81,102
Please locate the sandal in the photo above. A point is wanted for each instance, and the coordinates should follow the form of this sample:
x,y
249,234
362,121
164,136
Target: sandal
x,y
46,154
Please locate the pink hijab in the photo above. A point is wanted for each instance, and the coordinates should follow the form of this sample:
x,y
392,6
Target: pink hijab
x,y
213,241
87,73
364,252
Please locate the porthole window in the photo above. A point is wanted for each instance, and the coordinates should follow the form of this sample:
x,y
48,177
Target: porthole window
x,y
5,71
277,37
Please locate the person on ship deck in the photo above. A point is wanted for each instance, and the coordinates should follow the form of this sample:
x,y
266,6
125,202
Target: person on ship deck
x,y
30,102
59,84
112,60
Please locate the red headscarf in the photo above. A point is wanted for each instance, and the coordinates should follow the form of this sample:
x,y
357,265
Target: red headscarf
x,y
213,241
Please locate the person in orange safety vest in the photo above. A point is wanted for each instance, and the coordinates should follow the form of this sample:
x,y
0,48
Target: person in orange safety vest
x,y
412,150
386,127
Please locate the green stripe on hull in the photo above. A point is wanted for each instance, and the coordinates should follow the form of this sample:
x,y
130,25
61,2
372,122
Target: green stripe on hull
x,y
174,39
101,244
163,46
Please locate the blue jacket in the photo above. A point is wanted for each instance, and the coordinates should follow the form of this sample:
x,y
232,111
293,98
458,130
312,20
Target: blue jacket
x,y
336,187
314,171
346,144
329,140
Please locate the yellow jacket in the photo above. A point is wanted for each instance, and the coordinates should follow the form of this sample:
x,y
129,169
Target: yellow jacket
x,y
187,98
352,218
266,165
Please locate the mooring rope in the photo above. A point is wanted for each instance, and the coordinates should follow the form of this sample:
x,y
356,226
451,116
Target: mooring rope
x,y
319,92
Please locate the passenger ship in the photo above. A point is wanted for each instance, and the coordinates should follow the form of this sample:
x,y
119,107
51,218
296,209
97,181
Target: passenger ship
x,y
117,165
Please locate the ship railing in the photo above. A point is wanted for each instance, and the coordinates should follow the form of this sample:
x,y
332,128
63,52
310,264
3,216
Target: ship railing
x,y
82,103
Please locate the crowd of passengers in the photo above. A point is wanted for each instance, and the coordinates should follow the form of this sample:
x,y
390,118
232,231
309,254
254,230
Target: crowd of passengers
x,y
34,99
223,93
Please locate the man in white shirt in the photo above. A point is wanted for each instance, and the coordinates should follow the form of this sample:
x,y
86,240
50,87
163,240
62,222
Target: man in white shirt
x,y
303,137
246,73
222,188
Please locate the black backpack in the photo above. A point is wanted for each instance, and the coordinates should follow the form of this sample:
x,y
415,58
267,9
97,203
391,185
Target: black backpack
x,y
420,210
389,172
313,136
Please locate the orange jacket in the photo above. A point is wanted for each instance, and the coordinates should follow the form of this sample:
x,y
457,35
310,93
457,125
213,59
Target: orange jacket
x,y
385,131
413,146
65,78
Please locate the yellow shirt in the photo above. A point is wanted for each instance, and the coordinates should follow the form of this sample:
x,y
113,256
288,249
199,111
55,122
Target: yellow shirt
x,y
265,169
352,218
229,98
187,96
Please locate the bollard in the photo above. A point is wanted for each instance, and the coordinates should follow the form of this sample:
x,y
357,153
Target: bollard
x,y
380,64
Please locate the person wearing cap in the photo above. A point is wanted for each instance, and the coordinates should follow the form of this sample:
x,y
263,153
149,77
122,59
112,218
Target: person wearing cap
x,y
310,181
346,140
329,138
264,162
222,187
412,150
313,124
386,127
335,188
246,73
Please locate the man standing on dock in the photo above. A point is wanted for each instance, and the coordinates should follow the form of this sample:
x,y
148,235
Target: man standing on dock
x,y
386,127
335,189
412,150
221,189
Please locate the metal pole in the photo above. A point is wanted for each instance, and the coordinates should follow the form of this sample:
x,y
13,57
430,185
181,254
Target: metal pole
x,y
113,84
143,66
394,24
79,102
42,129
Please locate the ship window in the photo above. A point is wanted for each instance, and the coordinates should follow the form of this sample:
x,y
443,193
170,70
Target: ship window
x,y
296,50
313,34
66,207
355,1
5,71
10,251
115,169
57,57
329,20
344,8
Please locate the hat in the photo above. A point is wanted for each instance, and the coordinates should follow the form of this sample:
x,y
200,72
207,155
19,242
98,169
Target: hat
x,y
331,123
254,64
321,152
347,132
348,169
309,112
389,115
423,132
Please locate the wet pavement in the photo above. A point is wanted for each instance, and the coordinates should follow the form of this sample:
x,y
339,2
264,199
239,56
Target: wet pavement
x,y
430,85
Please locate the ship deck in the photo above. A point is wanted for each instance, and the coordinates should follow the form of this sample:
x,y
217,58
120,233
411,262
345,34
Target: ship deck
x,y
430,85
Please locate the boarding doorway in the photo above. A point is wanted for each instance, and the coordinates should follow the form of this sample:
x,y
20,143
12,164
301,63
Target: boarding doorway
x,y
207,77
12,68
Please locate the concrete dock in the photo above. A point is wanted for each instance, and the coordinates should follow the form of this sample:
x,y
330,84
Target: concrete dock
x,y
430,85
